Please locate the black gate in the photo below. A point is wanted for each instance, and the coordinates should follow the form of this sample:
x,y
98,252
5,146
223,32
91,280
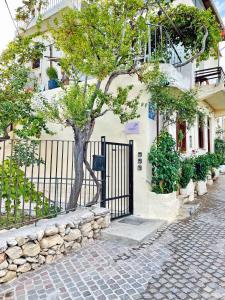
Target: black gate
x,y
117,179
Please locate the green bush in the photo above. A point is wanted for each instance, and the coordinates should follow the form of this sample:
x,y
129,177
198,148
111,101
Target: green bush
x,y
201,167
187,172
15,188
220,150
214,160
165,164
52,73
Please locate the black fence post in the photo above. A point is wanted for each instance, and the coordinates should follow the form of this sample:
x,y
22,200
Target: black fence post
x,y
103,173
131,180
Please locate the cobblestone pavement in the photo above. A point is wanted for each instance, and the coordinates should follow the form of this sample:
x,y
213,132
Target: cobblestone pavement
x,y
186,260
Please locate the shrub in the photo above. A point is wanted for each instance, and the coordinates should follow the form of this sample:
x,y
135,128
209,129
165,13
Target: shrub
x,y
220,150
201,167
187,172
165,164
214,160
52,73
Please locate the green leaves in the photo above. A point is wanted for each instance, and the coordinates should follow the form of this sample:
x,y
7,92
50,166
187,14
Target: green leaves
x,y
187,172
165,164
173,107
101,37
192,24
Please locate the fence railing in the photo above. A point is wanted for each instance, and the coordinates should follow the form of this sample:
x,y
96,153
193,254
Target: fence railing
x,y
210,76
36,178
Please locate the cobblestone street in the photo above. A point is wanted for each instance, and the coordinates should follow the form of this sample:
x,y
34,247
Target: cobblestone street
x,y
186,260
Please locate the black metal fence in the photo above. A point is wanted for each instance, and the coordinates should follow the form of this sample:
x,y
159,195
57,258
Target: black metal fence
x,y
36,178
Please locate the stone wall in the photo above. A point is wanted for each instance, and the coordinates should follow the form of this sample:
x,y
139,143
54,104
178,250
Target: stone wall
x,y
29,247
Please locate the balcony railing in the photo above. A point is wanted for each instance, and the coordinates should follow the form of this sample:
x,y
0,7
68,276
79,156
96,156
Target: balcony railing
x,y
53,4
159,47
210,76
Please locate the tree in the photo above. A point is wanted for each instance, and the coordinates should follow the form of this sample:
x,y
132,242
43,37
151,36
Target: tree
x,y
100,41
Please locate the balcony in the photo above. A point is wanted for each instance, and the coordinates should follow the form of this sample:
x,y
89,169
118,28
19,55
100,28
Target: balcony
x,y
48,10
210,84
210,76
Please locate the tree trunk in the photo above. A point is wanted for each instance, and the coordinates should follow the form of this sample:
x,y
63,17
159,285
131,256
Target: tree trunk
x,y
78,169
81,138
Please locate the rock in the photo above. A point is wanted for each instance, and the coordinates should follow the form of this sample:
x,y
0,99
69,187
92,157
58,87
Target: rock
x,y
19,261
85,229
32,236
73,235
84,241
52,230
31,249
67,230
51,241
2,257
8,277
24,268
62,229
34,266
51,252
76,246
106,221
100,220
68,245
21,241
11,242
32,259
49,259
3,273
40,234
4,265
95,225
3,246
12,267
14,252
41,259
90,234
99,211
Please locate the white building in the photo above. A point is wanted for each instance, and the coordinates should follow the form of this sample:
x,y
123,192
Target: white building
x,y
198,139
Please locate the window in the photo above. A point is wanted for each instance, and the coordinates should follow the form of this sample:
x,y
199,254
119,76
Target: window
x,y
36,63
181,136
201,127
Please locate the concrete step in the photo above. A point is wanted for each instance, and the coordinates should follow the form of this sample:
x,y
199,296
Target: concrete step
x,y
132,230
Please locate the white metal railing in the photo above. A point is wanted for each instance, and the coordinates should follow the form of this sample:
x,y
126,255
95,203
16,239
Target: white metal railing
x,y
53,4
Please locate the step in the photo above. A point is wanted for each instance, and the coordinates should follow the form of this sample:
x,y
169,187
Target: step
x,y
132,230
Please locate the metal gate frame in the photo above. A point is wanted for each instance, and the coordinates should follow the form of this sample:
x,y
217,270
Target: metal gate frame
x,y
105,146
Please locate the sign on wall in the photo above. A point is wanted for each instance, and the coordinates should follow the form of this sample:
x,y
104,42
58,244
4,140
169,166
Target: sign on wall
x,y
132,127
151,111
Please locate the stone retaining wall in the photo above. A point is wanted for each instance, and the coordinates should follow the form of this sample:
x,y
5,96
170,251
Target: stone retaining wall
x,y
29,247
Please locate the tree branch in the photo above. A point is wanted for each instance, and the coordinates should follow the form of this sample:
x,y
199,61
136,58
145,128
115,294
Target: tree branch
x,y
190,60
115,74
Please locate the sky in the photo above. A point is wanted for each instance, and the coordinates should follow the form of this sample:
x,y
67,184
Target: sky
x,y
8,30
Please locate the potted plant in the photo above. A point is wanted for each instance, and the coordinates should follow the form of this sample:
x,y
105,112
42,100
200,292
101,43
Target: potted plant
x,y
165,178
201,170
185,181
214,162
53,82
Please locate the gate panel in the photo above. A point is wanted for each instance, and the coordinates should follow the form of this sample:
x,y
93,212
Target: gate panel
x,y
117,179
